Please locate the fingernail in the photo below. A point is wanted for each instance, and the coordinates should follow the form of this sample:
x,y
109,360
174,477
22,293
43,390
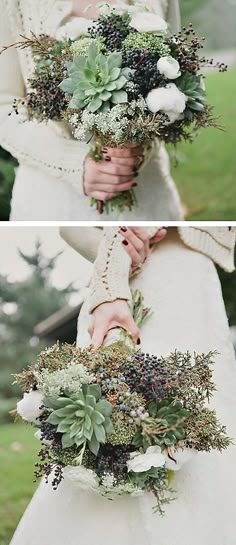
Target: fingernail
x,y
107,158
139,341
104,150
125,242
136,174
135,170
124,229
135,185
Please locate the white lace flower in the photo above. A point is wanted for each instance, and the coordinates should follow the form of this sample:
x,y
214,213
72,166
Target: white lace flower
x,y
29,407
74,29
153,457
167,99
84,478
148,22
180,457
169,67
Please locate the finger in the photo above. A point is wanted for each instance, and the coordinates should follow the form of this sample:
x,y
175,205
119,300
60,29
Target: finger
x,y
110,189
115,169
133,162
131,327
124,152
135,256
161,233
142,234
101,196
132,238
111,180
99,334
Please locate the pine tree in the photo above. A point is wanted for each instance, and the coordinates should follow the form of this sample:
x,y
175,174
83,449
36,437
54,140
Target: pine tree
x,y
22,305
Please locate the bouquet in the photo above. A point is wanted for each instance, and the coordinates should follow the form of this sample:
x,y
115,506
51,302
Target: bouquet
x,y
117,421
121,79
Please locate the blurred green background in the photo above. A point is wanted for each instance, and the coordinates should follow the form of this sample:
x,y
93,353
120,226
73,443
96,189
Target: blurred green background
x,y
206,170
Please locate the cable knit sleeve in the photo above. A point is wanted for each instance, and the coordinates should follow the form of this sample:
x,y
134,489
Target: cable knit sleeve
x,y
110,279
38,145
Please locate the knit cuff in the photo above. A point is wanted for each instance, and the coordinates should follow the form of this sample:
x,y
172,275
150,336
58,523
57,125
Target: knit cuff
x,y
203,241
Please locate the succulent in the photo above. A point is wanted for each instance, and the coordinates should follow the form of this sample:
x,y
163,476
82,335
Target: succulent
x,y
164,427
96,82
82,418
191,86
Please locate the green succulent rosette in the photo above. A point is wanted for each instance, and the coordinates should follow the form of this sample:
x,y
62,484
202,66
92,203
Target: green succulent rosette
x,y
82,418
96,82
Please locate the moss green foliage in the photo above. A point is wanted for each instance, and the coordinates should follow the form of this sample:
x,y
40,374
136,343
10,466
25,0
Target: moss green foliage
x,y
7,175
96,82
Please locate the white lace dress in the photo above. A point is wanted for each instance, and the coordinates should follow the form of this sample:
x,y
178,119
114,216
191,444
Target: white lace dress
x,y
39,196
183,289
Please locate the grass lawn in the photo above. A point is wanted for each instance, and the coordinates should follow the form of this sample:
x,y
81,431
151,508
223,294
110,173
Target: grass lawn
x,y
206,174
18,449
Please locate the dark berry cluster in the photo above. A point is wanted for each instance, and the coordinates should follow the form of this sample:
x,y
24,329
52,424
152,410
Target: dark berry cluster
x,y
47,101
113,29
145,75
47,468
147,376
185,48
113,459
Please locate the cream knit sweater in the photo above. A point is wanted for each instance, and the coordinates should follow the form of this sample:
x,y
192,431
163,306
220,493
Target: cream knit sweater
x,y
110,278
47,147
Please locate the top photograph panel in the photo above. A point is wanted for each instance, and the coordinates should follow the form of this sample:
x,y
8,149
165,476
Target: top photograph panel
x,y
119,111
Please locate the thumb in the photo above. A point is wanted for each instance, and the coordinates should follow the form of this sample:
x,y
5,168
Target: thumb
x,y
132,328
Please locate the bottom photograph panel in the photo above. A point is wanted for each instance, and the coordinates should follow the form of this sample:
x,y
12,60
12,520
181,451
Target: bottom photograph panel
x,y
117,385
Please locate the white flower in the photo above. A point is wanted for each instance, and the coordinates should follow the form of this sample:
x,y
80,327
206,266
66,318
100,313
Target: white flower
x,y
169,67
180,457
167,99
86,479
148,22
29,407
153,457
74,29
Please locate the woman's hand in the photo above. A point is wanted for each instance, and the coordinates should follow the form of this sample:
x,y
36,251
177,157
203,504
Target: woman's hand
x,y
108,316
137,243
117,171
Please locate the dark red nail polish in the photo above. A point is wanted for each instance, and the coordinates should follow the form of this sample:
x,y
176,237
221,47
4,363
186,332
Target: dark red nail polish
x,y
125,242
124,229
107,158
139,341
135,185
136,174
104,150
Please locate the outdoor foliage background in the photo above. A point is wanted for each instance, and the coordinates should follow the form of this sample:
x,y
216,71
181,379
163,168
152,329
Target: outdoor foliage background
x,y
206,171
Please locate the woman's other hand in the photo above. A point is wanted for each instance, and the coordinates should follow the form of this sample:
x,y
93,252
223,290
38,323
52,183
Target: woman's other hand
x,y
137,243
108,316
116,172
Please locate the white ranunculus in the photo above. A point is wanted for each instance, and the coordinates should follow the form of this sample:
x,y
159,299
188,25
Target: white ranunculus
x,y
180,457
148,22
169,67
29,407
167,99
86,479
153,457
74,29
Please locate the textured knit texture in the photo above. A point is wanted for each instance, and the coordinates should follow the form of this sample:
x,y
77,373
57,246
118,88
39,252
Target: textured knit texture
x,y
110,279
183,290
49,182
